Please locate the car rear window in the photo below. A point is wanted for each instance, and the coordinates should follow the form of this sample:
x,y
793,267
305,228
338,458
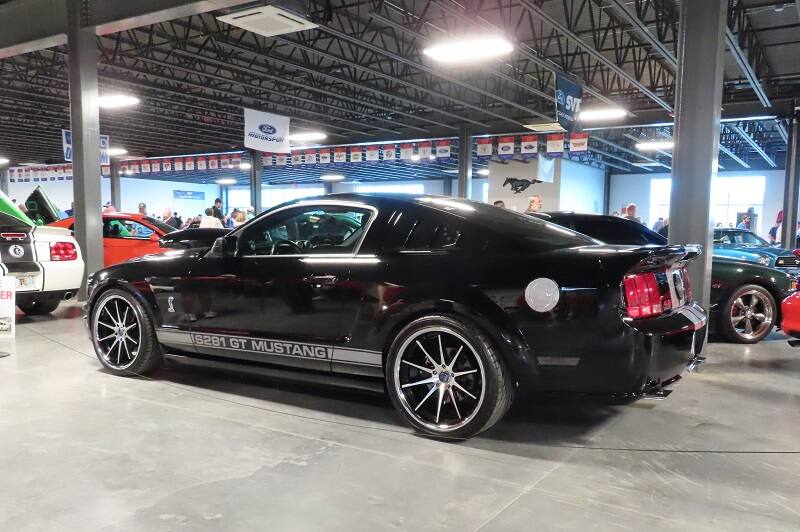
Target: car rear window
x,y
541,234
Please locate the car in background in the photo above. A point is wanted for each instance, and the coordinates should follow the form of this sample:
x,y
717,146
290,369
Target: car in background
x,y
744,244
745,296
126,236
791,316
450,306
192,238
45,262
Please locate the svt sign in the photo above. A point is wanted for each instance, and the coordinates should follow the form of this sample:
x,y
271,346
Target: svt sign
x,y
66,143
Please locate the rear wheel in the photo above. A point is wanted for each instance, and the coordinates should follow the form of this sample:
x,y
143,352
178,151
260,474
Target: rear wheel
x,y
446,378
39,307
123,335
749,314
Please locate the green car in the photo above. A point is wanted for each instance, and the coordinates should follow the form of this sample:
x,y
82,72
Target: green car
x,y
745,296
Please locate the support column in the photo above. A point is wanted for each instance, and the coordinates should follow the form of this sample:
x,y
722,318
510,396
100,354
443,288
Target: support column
x,y
255,180
698,101
85,120
328,187
4,180
116,191
447,186
464,162
792,183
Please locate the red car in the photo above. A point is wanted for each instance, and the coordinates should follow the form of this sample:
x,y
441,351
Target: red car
x,y
790,308
126,236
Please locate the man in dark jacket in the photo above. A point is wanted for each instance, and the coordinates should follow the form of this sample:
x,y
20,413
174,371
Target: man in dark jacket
x,y
218,211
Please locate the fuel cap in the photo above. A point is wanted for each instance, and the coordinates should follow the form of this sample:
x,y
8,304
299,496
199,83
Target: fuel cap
x,y
542,294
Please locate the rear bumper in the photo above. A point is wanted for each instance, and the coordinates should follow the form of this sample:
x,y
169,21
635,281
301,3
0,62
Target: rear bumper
x,y
790,312
26,298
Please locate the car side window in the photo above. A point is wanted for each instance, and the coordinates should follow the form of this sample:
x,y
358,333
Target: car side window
x,y
306,230
611,231
430,232
125,229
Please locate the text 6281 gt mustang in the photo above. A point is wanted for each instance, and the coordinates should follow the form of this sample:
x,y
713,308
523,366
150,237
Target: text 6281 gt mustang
x,y
451,306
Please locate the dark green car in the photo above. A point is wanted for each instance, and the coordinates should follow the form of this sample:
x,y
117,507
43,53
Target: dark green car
x,y
745,296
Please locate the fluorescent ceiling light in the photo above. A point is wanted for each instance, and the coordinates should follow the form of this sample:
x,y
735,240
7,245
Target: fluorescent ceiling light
x,y
3,160
597,115
113,152
469,50
128,172
415,158
655,145
431,157
310,136
483,171
226,181
331,177
646,165
115,101
245,166
544,127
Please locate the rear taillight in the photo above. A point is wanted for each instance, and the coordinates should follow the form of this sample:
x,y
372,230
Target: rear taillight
x,y
643,295
687,284
63,251
796,252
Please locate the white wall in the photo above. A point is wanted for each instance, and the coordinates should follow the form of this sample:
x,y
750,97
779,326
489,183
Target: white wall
x,y
635,188
582,188
158,195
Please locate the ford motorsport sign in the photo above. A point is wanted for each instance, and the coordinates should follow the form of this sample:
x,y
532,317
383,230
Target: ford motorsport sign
x,y
266,132
568,102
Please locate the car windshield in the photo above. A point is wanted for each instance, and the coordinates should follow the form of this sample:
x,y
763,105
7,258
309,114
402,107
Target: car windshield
x,y
739,238
164,228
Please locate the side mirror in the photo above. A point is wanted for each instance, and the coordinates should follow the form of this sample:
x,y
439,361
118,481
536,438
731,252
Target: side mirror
x,y
228,245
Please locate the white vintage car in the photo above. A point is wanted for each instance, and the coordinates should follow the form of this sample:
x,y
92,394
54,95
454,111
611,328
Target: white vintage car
x,y
45,262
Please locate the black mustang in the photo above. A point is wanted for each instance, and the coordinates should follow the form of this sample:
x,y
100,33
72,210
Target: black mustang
x,y
453,307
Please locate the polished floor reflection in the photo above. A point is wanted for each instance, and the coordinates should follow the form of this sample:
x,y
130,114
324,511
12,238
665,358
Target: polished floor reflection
x,y
193,450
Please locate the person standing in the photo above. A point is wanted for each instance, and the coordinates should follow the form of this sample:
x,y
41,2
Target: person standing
x,y
143,209
664,231
658,225
630,213
534,204
210,221
217,210
745,223
170,219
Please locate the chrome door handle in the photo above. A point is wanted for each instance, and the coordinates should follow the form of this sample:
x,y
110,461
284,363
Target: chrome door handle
x,y
322,280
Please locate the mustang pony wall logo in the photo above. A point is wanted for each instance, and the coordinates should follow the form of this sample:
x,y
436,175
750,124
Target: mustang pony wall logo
x,y
518,186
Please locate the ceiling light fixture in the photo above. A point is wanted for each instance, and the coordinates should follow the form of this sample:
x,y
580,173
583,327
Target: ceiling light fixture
x,y
415,158
469,50
245,166
332,177
116,101
309,136
431,157
655,145
3,160
598,115
115,152
483,171
226,181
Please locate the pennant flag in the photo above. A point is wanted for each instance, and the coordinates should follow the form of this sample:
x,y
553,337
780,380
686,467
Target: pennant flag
x,y
483,148
372,155
406,151
146,166
339,155
166,165
236,160
213,162
555,144
505,148
325,157
579,142
266,159
355,154
443,149
104,169
202,164
225,161
188,163
311,156
134,166
280,159
389,152
424,150
155,165
178,164
529,147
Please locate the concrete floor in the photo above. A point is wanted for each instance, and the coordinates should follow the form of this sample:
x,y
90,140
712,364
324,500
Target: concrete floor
x,y
189,450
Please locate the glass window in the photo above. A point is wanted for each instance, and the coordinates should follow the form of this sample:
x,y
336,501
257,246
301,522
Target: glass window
x,y
125,229
739,238
164,228
306,230
616,231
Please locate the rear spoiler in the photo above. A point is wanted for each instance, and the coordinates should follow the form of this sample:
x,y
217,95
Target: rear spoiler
x,y
618,261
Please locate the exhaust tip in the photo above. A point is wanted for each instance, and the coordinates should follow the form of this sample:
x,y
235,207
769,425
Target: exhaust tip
x,y
68,295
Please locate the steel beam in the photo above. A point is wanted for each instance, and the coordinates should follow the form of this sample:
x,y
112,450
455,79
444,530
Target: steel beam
x,y
642,29
741,60
464,162
701,41
4,180
85,120
116,189
791,185
729,153
753,144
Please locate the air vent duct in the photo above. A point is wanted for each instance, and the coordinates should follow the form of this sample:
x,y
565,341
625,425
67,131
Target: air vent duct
x,y
268,21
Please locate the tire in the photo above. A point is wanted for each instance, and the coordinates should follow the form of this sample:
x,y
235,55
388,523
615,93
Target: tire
x,y
37,307
423,386
114,320
749,314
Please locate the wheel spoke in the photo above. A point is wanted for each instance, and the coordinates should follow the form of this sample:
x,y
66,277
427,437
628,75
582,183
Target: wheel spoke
x,y
105,324
421,368
119,351
116,307
739,303
457,385
737,319
760,317
125,317
453,400
111,349
105,309
439,404
430,358
453,362
748,326
460,373
425,381
430,392
104,338
131,339
124,344
441,349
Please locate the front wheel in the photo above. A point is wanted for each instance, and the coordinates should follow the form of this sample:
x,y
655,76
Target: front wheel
x,y
446,378
749,314
123,335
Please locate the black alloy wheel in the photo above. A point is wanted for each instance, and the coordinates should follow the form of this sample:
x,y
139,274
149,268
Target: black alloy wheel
x,y
749,314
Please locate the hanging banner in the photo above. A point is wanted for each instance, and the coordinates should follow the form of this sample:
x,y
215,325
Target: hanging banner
x,y
236,160
280,159
105,170
355,154
389,152
443,149
424,150
505,148
373,154
579,142
483,148
339,155
178,164
166,165
406,151
568,102
266,131
224,161
325,157
123,168
134,166
555,144
213,162
266,159
201,163
311,156
188,163
155,165
146,166
529,147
